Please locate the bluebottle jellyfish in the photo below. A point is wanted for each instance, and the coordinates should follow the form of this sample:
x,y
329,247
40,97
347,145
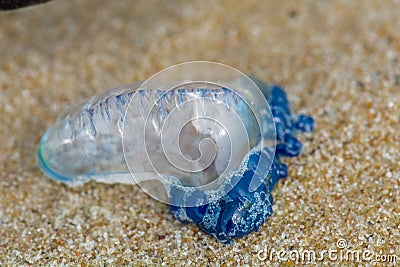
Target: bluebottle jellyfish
x,y
212,137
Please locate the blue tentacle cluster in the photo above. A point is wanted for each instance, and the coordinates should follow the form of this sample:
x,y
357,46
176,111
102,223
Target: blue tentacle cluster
x,y
244,209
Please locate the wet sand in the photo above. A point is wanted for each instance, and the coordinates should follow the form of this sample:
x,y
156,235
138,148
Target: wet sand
x,y
338,61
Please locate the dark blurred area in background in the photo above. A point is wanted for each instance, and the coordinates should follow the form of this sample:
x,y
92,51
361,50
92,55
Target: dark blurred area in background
x,y
15,4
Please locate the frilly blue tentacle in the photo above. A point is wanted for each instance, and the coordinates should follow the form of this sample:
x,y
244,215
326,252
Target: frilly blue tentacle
x,y
244,209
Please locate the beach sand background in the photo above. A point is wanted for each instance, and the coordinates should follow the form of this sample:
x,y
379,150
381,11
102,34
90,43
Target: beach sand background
x,y
338,60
